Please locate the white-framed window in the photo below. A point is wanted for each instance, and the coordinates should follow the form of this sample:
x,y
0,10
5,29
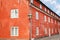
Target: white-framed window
x,y
51,13
41,6
45,30
45,18
31,1
48,11
37,30
49,32
48,19
55,21
37,15
51,20
14,13
14,31
45,9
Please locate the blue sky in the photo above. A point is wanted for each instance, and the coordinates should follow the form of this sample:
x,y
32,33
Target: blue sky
x,y
53,5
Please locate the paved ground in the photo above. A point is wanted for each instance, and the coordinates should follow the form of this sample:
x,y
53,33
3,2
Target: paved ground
x,y
54,37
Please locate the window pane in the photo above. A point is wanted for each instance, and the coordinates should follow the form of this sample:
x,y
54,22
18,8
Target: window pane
x,y
37,16
48,11
44,18
14,31
37,30
14,13
41,6
45,30
45,9
48,19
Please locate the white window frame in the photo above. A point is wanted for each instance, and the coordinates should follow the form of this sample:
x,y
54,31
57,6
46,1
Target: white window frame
x,y
51,13
55,21
48,11
45,18
45,30
13,30
14,13
41,6
37,30
51,20
37,15
45,9
48,19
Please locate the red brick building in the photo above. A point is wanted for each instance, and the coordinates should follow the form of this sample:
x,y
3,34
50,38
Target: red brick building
x,y
27,19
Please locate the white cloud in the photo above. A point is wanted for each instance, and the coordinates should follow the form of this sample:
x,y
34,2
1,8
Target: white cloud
x,y
54,4
57,7
49,1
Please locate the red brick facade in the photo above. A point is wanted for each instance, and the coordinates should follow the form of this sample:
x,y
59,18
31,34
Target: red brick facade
x,y
33,20
46,28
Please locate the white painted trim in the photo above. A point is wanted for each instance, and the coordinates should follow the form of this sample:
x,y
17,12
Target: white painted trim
x,y
45,9
14,13
37,15
14,31
48,11
49,19
37,30
45,18
42,11
41,6
39,9
45,30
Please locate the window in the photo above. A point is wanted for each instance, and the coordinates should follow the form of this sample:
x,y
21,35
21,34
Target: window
x,y
48,11
51,20
37,16
49,32
14,31
41,6
55,21
44,18
31,1
51,13
45,9
45,30
37,30
14,13
48,19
